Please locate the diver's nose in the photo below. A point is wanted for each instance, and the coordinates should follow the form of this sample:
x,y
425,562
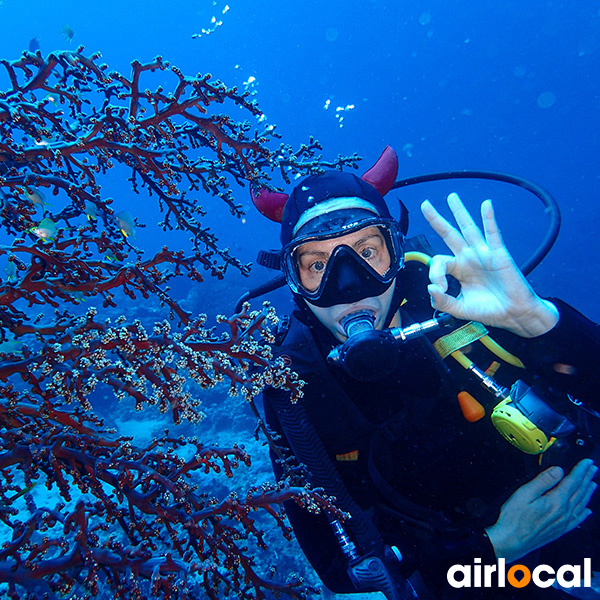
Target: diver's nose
x,y
348,278
349,273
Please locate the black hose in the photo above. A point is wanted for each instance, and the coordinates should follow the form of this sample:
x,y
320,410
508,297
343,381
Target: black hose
x,y
261,290
548,200
309,450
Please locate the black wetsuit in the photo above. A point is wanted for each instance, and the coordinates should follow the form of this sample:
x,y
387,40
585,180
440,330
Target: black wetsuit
x,y
425,478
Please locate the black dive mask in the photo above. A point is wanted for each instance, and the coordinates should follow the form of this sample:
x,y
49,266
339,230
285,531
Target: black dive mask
x,y
347,277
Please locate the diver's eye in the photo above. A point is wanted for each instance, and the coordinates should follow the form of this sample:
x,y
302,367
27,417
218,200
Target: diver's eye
x,y
367,253
318,266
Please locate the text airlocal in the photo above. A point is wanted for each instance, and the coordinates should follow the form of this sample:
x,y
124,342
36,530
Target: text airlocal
x,y
518,576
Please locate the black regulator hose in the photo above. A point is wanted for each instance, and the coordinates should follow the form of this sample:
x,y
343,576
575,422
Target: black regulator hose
x,y
261,290
309,450
547,199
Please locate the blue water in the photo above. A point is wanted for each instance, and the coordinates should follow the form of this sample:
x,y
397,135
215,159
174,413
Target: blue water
x,y
508,85
505,86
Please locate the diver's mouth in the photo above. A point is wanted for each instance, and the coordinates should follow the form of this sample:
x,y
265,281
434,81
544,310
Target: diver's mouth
x,y
354,310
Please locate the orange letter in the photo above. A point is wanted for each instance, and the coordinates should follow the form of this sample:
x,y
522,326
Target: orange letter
x,y
516,582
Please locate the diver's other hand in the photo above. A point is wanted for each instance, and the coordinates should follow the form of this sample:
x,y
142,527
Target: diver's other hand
x,y
493,289
543,510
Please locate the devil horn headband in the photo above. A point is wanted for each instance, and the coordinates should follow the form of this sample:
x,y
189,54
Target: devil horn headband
x,y
382,176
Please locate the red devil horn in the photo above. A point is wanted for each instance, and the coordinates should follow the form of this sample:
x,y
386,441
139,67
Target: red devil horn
x,y
382,175
270,204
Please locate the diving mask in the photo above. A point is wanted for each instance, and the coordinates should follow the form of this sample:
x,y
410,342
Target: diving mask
x,y
346,261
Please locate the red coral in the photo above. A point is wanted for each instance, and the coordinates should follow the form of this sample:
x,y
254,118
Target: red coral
x,y
133,522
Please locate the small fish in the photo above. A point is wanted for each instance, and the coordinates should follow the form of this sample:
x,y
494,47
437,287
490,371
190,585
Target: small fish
x,y
34,44
126,223
46,230
46,137
11,272
68,33
36,196
111,257
77,296
91,211
18,495
11,347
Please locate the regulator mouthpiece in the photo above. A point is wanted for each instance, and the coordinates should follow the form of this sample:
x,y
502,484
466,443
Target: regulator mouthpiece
x,y
368,354
357,322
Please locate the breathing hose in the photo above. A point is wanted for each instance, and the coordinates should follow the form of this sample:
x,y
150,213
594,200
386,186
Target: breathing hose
x,y
547,199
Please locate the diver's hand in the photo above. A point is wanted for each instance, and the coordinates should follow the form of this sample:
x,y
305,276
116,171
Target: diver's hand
x,y
493,289
543,510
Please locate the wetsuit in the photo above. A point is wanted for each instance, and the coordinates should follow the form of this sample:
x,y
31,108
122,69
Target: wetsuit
x,y
425,479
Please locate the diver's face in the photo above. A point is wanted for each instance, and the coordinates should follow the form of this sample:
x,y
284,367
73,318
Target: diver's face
x,y
312,259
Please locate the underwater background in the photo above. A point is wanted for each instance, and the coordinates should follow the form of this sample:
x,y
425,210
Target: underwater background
x,y
508,86
501,86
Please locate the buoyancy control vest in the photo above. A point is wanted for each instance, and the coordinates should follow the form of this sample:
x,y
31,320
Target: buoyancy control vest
x,y
351,455
363,452
358,438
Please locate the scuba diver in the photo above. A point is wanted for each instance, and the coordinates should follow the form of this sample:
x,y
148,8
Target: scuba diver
x,y
426,481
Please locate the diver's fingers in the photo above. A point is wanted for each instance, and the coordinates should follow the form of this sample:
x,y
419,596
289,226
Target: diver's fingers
x,y
579,476
582,487
490,226
465,222
579,518
577,508
585,497
442,301
439,267
451,236
565,504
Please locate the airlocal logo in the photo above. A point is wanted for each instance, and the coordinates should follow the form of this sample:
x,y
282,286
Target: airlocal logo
x,y
518,576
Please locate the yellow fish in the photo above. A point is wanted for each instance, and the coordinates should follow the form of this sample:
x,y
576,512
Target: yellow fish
x,y
46,230
126,223
68,33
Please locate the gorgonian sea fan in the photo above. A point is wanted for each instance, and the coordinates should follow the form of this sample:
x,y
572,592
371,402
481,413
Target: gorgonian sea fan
x,y
127,521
